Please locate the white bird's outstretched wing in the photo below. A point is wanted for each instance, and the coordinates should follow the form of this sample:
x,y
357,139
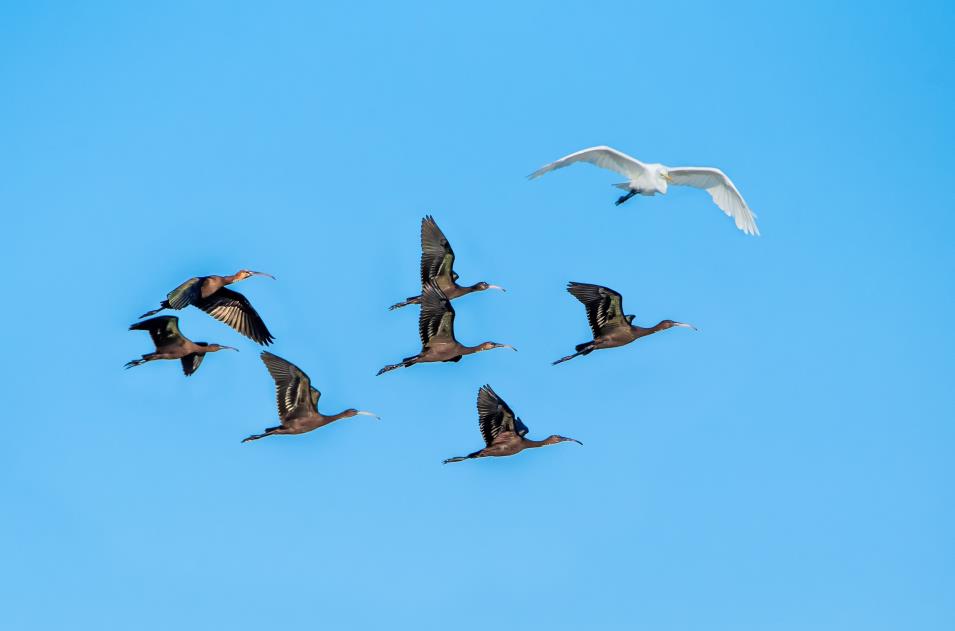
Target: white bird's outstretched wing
x,y
603,157
721,189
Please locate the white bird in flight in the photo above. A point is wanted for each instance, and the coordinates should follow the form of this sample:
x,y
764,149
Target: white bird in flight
x,y
650,179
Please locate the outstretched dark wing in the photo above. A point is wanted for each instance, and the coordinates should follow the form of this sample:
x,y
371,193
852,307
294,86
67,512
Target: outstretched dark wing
x,y
437,257
190,363
164,330
604,306
294,393
436,320
235,310
185,294
495,416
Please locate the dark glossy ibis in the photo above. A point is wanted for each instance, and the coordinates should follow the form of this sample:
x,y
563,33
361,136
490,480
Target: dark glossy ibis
x,y
297,400
436,328
611,328
437,262
210,294
503,431
172,344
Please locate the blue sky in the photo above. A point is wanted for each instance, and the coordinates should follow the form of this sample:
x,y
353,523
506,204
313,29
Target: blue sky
x,y
789,467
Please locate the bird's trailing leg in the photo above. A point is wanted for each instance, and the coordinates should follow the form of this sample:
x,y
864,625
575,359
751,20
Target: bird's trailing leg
x,y
476,454
138,362
407,361
268,432
162,305
582,349
413,300
624,198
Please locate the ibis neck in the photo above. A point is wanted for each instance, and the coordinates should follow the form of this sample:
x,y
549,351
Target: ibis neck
x,y
531,444
640,331
336,417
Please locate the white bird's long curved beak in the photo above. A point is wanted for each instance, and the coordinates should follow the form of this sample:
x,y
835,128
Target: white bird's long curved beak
x,y
667,177
364,413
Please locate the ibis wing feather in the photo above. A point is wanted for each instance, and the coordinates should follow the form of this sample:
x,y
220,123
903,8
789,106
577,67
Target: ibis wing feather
x,y
185,294
190,363
164,330
604,306
235,310
496,417
722,190
437,257
294,394
436,320
602,156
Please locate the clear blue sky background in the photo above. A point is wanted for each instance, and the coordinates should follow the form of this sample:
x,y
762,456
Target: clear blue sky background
x,y
789,467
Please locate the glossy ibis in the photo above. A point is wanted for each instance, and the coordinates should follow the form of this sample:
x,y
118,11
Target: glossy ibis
x,y
297,400
210,294
171,344
503,431
650,179
610,326
437,261
436,328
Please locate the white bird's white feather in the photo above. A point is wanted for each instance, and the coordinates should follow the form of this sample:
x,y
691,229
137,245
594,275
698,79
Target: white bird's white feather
x,y
603,157
649,179
721,189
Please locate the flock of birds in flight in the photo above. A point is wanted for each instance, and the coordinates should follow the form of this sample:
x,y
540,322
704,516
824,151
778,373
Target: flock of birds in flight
x,y
503,432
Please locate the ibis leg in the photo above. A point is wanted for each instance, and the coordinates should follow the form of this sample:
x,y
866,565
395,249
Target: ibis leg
x,y
404,364
138,362
582,349
269,431
476,454
162,305
413,300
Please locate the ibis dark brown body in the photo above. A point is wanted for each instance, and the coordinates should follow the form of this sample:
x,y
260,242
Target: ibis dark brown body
x,y
436,329
297,400
437,264
504,433
210,294
611,328
172,344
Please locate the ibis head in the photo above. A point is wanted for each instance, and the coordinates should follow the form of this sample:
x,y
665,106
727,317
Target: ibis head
x,y
486,346
554,439
212,348
350,412
242,274
668,324
483,286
